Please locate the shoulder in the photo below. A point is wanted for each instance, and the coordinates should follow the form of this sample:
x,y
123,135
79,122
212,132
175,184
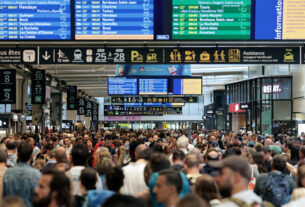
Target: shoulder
x,y
227,204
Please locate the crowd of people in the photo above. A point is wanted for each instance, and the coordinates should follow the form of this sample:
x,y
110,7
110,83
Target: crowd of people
x,y
157,168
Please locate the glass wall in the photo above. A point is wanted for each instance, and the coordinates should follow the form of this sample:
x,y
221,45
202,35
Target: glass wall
x,y
269,100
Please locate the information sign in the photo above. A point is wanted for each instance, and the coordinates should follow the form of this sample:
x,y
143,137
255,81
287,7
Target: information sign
x,y
81,104
72,98
7,87
38,86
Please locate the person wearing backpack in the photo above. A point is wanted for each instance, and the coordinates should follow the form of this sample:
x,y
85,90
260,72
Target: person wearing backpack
x,y
275,187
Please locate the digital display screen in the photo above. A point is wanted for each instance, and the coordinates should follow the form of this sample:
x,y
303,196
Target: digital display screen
x,y
122,86
280,20
35,20
114,20
217,19
153,86
187,86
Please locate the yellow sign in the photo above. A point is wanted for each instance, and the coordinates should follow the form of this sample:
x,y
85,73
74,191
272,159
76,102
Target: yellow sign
x,y
136,57
205,57
288,56
219,56
151,57
234,55
175,56
192,86
190,56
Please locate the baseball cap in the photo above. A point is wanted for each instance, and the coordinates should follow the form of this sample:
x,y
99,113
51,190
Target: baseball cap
x,y
275,149
235,163
251,144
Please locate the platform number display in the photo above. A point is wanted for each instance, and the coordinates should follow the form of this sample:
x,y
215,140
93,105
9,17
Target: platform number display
x,y
94,111
72,98
38,87
81,104
7,87
88,112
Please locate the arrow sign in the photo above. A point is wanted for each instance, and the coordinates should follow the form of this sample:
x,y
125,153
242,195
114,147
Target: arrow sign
x,y
46,55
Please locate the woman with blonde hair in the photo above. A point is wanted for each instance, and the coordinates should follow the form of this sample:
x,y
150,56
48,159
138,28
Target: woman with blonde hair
x,y
104,164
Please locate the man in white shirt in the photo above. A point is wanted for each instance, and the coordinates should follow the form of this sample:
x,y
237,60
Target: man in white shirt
x,y
134,182
79,156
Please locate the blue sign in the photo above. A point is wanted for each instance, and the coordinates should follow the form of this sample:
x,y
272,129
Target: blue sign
x,y
122,86
122,19
35,20
268,20
153,86
153,70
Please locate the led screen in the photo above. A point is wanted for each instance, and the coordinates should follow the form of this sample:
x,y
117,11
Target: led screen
x,y
122,86
153,86
35,20
187,86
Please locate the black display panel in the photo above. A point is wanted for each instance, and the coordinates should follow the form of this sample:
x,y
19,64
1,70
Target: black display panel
x,y
38,86
94,111
81,104
35,20
7,87
3,123
72,98
88,110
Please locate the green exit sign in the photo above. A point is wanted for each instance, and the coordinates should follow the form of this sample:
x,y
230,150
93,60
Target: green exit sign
x,y
72,106
38,99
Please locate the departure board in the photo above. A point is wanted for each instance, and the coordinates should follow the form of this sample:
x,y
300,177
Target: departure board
x,y
187,86
122,86
153,86
35,20
114,19
211,19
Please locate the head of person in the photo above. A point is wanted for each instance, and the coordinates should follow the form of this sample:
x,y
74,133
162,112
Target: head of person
x,y
104,162
211,156
268,142
168,185
88,179
234,173
115,179
192,200
119,200
182,142
178,155
67,142
191,161
25,151
31,141
132,148
11,146
142,152
266,152
206,187
79,155
302,152
278,163
155,137
108,140
60,155
13,201
54,188
158,162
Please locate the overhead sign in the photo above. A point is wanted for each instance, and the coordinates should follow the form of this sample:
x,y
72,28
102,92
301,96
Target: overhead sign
x,y
88,109
38,86
7,87
35,20
275,89
94,111
115,110
140,99
233,55
153,70
72,98
18,55
244,106
3,123
195,19
81,104
210,111
235,108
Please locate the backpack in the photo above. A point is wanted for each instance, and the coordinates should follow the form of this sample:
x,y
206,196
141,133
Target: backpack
x,y
241,203
277,190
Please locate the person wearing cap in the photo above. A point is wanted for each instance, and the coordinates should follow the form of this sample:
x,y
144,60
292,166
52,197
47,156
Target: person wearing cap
x,y
211,156
233,179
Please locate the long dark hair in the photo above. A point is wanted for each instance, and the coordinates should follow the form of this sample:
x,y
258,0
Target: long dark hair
x,y
258,159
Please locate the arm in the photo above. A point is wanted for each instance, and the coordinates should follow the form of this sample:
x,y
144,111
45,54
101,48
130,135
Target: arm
x,y
291,169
